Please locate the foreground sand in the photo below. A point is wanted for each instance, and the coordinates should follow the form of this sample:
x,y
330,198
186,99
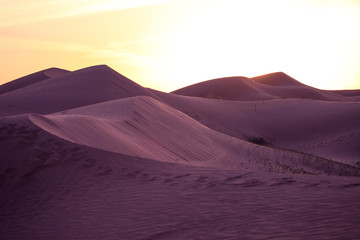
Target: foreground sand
x,y
91,155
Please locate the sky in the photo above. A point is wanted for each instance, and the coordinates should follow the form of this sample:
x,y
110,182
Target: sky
x,y
169,44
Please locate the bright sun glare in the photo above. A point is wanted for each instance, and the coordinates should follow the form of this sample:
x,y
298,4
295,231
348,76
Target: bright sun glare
x,y
248,38
168,44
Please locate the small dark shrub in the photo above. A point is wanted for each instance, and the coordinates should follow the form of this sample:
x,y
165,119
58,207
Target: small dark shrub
x,y
257,140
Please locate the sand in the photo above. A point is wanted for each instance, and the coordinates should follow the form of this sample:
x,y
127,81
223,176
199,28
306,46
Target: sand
x,y
90,154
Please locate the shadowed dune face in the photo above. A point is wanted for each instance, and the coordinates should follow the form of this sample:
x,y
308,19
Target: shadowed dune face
x,y
92,155
146,128
233,88
31,79
266,87
351,94
277,79
79,88
324,128
50,184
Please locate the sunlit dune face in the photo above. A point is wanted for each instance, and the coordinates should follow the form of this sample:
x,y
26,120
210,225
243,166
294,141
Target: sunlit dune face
x,y
167,44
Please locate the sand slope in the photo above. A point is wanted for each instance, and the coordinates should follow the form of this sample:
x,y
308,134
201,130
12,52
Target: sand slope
x,y
79,88
52,188
138,126
92,155
351,94
277,79
270,86
233,88
31,79
325,128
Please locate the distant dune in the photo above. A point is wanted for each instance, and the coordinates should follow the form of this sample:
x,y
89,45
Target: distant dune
x,y
31,79
90,154
352,94
75,89
266,87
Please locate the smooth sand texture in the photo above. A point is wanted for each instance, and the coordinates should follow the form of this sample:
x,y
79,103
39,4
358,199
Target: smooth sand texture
x,y
92,155
80,88
326,128
31,79
266,87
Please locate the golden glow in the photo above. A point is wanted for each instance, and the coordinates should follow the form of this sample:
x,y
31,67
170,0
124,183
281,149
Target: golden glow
x,y
168,44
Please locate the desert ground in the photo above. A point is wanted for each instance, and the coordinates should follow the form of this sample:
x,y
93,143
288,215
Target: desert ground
x,y
90,154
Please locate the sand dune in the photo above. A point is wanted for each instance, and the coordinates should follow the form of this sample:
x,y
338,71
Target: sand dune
x,y
233,88
266,87
31,79
324,128
351,94
146,128
135,126
79,88
92,155
277,79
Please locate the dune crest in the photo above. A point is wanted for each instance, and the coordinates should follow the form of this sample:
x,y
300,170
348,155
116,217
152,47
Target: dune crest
x,y
31,79
137,131
266,87
75,89
90,154
277,79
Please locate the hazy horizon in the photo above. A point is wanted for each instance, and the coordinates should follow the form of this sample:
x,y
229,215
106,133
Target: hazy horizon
x,y
169,44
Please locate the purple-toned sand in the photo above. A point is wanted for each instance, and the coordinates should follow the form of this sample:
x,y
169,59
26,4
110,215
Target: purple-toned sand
x,y
90,154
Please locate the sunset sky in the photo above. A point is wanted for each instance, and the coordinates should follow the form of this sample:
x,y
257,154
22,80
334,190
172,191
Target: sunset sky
x,y
168,44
